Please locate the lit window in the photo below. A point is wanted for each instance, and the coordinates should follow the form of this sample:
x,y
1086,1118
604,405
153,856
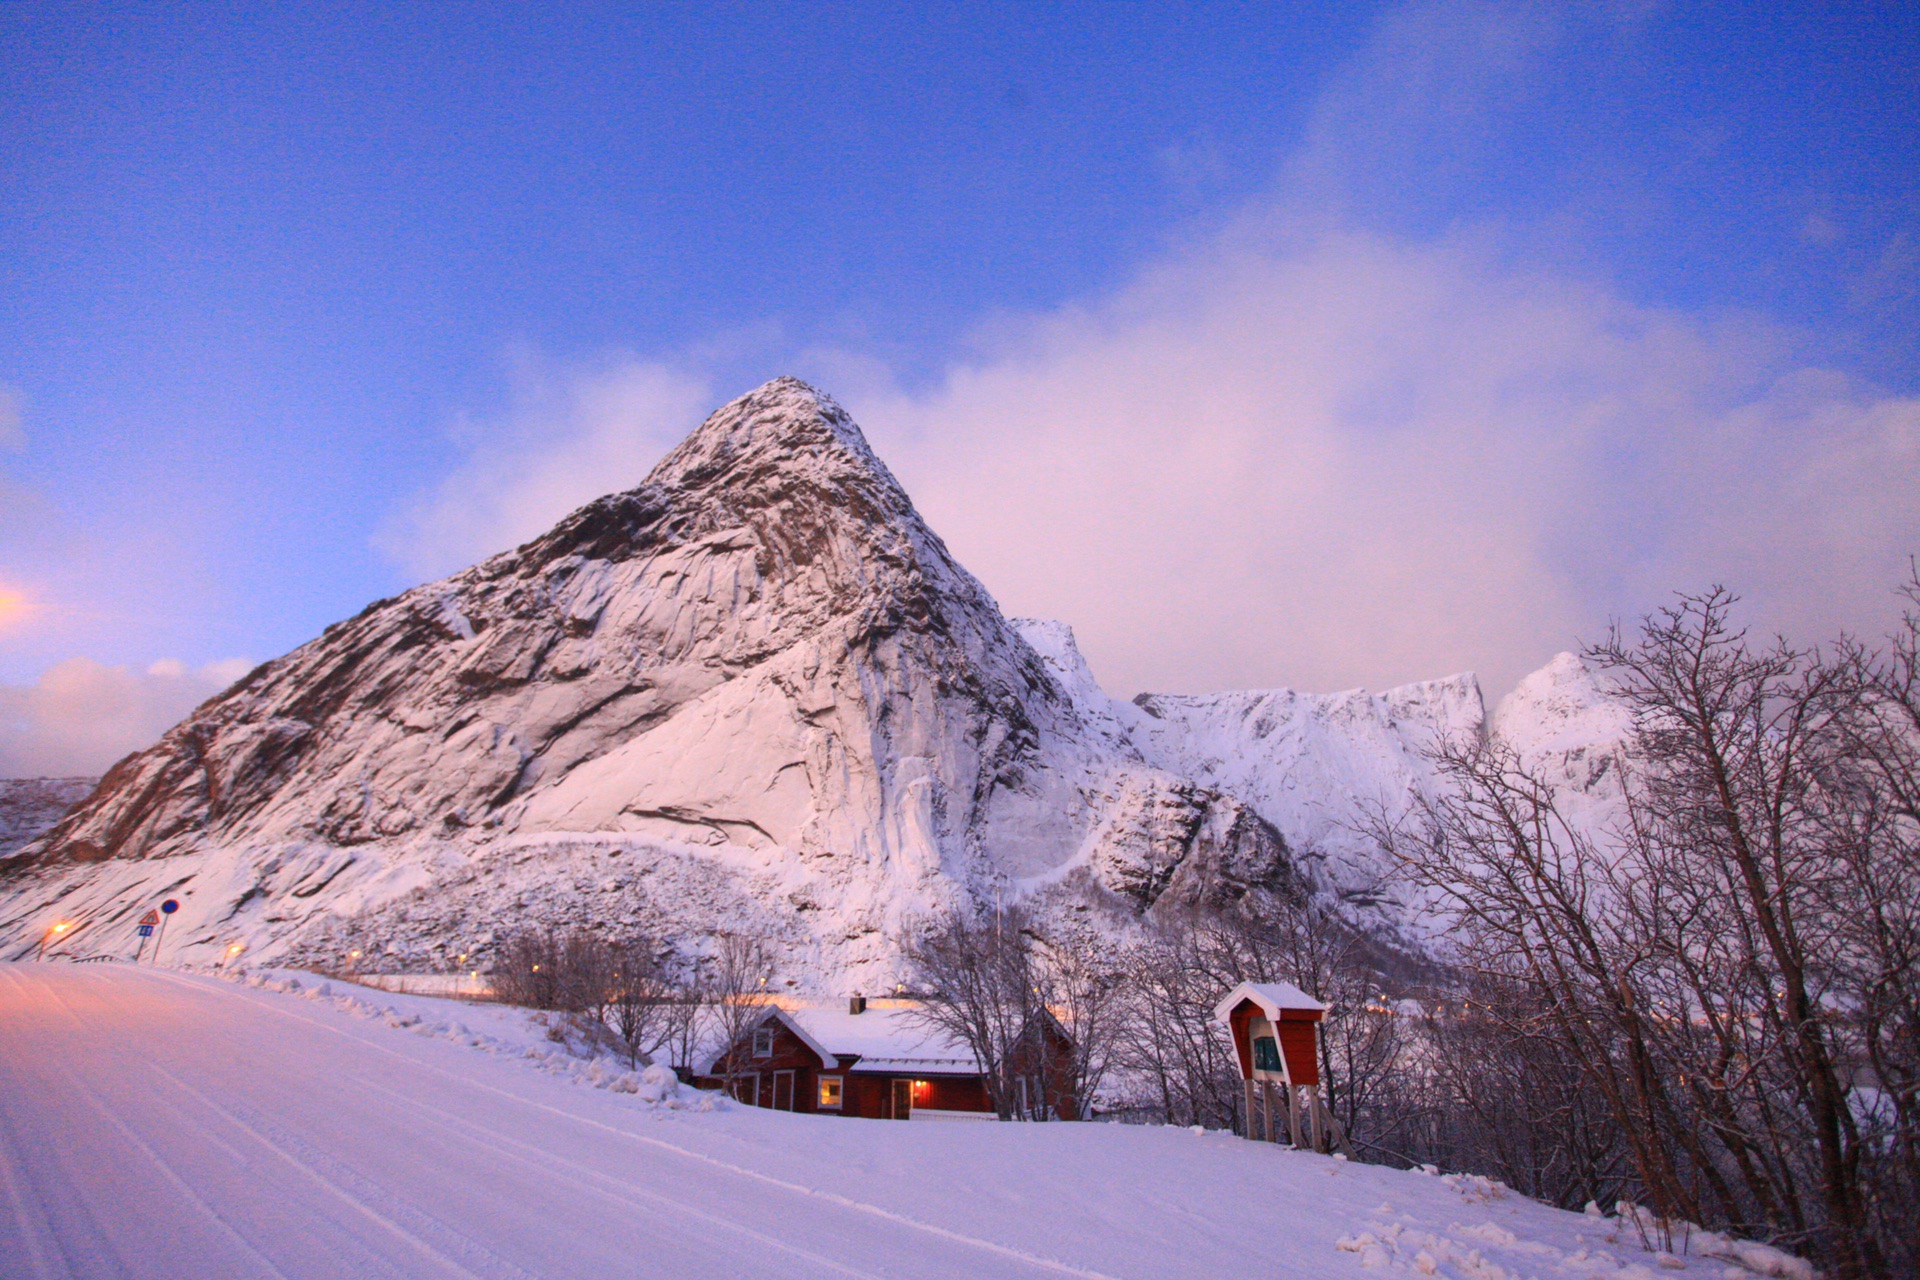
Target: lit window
x,y
1266,1054
763,1042
830,1093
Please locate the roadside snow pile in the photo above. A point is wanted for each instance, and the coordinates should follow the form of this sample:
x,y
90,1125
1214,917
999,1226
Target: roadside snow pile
x,y
1395,1242
549,1042
1462,1250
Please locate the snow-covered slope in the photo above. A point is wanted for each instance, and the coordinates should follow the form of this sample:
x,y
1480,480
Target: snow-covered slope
x,y
1323,767
169,1125
756,691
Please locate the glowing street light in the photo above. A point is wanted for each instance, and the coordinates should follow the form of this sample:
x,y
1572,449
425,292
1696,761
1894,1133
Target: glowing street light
x,y
59,928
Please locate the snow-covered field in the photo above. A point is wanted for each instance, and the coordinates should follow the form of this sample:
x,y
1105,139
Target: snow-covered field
x,y
157,1123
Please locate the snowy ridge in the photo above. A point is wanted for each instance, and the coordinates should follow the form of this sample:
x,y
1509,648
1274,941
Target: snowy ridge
x,y
1322,767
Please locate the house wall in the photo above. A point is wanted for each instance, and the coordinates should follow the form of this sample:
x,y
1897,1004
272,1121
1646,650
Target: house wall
x,y
790,1053
870,1095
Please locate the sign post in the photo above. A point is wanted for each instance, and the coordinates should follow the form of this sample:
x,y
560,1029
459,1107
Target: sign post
x,y
167,908
147,922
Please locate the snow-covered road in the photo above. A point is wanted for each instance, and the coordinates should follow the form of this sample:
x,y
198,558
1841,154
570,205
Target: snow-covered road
x,y
162,1124
156,1125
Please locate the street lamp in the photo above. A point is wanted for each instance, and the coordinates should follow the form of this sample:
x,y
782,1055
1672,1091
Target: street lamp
x,y
59,928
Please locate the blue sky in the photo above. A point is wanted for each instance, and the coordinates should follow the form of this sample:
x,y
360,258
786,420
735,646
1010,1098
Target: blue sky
x,y
1308,344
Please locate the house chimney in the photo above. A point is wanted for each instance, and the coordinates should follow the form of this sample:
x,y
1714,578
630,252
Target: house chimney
x,y
856,1004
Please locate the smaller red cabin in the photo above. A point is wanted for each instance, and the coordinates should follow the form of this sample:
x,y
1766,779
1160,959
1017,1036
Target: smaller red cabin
x,y
1275,1028
1276,1037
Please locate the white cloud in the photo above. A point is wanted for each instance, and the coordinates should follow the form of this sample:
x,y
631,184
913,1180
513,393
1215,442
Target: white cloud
x,y
1330,459
568,436
81,716
1345,459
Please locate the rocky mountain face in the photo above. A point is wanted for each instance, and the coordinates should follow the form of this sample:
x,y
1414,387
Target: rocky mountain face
x,y
754,692
29,806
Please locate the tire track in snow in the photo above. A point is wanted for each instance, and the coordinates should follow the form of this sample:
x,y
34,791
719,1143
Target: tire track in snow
x,y
358,1203
585,1177
307,1160
32,1230
830,1197
207,1212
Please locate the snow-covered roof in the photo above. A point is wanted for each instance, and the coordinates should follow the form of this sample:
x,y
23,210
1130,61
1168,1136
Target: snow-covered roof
x,y
887,1039
884,1039
1270,997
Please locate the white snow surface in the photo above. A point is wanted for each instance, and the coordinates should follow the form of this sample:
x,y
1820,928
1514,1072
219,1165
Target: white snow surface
x,y
163,1124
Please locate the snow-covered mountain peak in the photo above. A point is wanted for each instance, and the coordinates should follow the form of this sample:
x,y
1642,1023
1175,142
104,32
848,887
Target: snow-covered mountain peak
x,y
755,691
781,426
1563,703
1569,728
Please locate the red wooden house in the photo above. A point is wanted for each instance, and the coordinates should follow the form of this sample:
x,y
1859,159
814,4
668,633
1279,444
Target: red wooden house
x,y
872,1059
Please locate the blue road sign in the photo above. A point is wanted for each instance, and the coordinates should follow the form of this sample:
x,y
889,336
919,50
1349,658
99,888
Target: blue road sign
x,y
146,931
169,906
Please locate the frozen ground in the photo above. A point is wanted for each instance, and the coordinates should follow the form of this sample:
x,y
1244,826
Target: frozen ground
x,y
155,1123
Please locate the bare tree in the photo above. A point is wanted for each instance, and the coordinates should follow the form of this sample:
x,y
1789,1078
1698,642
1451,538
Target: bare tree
x,y
527,970
640,1002
735,996
1722,969
1174,977
545,969
683,1025
1085,1000
1876,838
980,984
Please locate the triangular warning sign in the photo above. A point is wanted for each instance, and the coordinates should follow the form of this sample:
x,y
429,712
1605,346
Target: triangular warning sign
x,y
152,917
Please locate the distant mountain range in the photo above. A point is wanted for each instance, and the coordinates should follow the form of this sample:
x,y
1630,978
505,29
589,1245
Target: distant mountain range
x,y
29,806
755,692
